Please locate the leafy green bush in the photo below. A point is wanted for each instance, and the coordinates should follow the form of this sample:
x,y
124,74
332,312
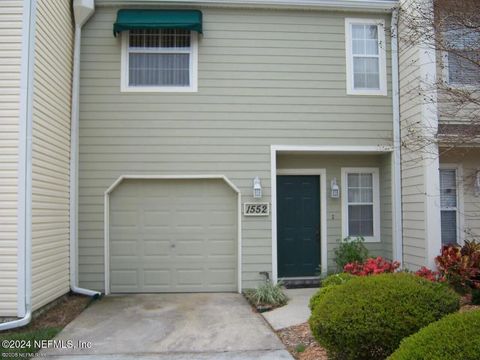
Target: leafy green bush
x,y
367,317
349,251
327,284
267,294
337,279
454,337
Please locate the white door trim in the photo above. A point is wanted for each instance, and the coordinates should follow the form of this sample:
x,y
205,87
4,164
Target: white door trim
x,y
323,209
117,182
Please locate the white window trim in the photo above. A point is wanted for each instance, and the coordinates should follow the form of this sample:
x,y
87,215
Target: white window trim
x,y
446,76
382,52
376,201
460,199
124,87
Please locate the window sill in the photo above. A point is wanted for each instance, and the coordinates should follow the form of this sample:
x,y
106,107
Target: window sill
x,y
152,89
380,92
367,239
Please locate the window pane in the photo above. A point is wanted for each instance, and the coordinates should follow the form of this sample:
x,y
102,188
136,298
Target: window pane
x,y
358,47
372,81
360,188
159,38
147,69
358,32
371,47
449,226
353,180
371,32
366,180
366,73
360,220
448,188
463,67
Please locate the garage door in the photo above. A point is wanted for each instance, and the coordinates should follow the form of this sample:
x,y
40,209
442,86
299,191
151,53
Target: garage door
x,y
173,236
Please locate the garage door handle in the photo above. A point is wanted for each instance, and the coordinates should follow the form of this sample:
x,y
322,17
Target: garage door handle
x,y
172,246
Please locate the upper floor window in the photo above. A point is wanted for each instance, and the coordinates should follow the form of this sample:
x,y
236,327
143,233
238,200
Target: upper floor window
x,y
159,60
366,57
462,57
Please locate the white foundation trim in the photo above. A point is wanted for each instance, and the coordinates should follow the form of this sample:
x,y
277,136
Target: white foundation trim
x,y
117,182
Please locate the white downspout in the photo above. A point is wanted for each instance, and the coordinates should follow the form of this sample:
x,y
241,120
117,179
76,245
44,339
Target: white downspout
x,y
24,283
397,169
83,10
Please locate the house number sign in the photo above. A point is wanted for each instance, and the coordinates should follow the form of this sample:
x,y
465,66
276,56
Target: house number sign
x,y
256,209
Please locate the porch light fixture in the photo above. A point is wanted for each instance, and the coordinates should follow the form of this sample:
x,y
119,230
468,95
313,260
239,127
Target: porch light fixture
x,y
335,190
257,188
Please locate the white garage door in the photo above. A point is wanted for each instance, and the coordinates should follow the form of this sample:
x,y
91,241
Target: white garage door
x,y
173,236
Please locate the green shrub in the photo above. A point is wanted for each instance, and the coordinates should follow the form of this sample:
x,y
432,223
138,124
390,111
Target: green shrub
x,y
455,337
367,317
327,284
337,279
349,251
267,294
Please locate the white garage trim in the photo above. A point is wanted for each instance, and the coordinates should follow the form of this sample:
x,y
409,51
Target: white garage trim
x,y
117,182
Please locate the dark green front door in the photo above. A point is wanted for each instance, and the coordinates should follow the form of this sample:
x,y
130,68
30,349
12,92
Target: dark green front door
x,y
298,225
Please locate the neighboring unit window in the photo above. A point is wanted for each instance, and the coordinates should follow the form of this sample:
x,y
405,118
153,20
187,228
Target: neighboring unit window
x,y
361,197
159,60
366,69
462,57
448,203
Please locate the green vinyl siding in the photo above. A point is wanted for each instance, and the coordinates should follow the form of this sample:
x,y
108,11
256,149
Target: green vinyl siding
x,y
264,77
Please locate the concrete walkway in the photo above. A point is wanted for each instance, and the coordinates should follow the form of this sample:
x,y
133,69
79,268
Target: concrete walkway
x,y
170,326
294,313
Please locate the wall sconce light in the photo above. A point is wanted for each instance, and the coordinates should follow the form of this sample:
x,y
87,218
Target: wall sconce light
x,y
335,190
477,183
257,188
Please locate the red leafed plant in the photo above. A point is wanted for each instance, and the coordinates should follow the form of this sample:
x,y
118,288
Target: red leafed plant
x,y
371,266
430,274
460,266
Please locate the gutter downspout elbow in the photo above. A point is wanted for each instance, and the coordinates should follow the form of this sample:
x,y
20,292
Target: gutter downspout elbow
x,y
83,10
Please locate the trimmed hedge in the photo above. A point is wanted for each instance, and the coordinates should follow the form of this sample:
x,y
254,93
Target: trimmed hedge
x,y
455,337
337,279
367,317
327,283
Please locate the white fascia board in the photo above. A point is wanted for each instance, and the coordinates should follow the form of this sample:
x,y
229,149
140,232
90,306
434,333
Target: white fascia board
x,y
352,5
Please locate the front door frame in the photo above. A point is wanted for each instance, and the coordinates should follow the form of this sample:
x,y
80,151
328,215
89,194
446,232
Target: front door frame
x,y
322,173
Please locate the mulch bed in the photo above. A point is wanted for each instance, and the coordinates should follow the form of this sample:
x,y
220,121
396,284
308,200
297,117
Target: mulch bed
x,y
300,336
57,316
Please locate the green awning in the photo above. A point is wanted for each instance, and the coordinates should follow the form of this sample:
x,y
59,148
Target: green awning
x,y
129,19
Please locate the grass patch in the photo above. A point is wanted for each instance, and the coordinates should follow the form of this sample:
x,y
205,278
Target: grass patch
x,y
45,326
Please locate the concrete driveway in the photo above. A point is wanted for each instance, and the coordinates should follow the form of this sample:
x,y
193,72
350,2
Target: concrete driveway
x,y
170,326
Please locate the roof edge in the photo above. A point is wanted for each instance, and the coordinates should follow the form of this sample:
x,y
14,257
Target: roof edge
x,y
352,5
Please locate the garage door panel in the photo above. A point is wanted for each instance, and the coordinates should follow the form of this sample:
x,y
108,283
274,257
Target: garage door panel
x,y
173,236
156,247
